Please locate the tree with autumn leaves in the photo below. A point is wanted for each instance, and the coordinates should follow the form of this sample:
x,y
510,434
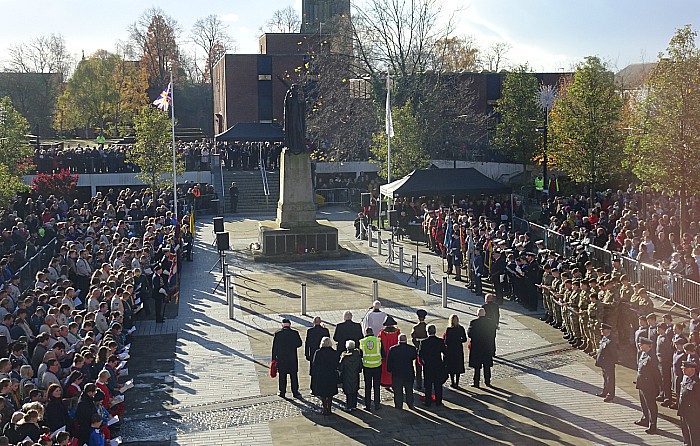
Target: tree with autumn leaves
x,y
663,148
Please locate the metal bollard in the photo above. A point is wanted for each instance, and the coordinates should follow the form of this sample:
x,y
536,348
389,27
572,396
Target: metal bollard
x,y
303,299
401,259
375,290
379,242
427,279
444,291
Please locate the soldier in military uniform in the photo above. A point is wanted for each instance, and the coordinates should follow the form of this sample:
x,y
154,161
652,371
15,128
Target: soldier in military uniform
x,y
574,297
584,301
689,404
628,318
648,382
594,320
553,289
562,302
609,302
694,324
606,359
547,279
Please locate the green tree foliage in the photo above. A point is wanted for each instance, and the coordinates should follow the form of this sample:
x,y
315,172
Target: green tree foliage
x,y
516,135
664,144
104,91
407,146
152,152
90,94
586,125
14,152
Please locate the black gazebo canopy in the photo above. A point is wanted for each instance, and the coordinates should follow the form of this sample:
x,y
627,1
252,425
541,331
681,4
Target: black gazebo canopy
x,y
434,182
252,131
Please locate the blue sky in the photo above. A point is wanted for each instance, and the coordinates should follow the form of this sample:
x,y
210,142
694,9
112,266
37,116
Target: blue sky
x,y
549,35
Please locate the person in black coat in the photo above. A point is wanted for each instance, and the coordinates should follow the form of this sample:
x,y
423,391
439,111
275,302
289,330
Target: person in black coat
x,y
497,273
347,331
455,337
313,341
432,356
482,333
492,308
689,404
233,193
284,350
648,382
84,411
400,364
324,373
479,270
606,360
159,291
55,413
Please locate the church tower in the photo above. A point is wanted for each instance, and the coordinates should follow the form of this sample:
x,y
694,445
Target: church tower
x,y
317,14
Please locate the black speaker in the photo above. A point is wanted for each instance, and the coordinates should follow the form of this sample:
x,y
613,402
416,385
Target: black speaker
x,y
222,241
218,224
393,218
364,199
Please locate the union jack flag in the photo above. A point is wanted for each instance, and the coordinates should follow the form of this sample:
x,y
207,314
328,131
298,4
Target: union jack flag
x,y
165,99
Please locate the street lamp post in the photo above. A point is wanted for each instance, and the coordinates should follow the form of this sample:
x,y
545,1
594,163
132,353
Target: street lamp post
x,y
545,98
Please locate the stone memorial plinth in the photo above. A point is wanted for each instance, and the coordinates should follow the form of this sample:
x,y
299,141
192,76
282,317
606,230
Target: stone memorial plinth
x,y
295,234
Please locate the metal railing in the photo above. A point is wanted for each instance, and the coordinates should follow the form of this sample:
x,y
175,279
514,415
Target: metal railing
x,y
38,262
335,195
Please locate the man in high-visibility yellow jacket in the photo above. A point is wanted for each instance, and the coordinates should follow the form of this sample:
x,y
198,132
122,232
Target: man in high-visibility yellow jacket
x,y
371,348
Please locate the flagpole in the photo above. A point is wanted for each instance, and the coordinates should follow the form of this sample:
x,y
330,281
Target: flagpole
x,y
389,129
172,121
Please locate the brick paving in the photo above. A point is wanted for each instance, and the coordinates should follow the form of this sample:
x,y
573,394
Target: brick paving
x,y
222,394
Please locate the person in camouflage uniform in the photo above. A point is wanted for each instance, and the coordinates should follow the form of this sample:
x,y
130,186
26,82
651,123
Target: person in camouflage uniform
x,y
576,314
547,279
594,313
555,288
562,299
628,318
584,302
640,302
609,300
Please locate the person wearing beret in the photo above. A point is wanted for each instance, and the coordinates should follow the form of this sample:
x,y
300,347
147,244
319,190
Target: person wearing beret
x,y
284,350
606,360
664,356
479,270
648,382
689,404
432,356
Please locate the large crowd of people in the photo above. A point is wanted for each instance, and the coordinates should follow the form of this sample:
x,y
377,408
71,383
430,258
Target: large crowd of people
x,y
376,349
637,224
64,338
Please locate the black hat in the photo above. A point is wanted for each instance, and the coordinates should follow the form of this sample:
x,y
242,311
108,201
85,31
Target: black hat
x,y
643,340
99,396
690,364
662,326
530,253
286,321
16,277
421,313
605,327
678,339
157,267
389,321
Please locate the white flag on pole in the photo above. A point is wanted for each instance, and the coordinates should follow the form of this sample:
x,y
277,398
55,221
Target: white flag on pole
x,y
389,123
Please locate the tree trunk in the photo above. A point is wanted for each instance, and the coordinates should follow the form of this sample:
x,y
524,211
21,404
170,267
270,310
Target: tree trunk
x,y
683,205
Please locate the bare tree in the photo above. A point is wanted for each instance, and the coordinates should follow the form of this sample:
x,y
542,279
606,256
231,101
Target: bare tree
x,y
495,57
211,35
35,96
285,20
44,54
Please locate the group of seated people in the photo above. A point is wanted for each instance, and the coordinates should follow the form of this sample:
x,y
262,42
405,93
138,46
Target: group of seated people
x,y
64,336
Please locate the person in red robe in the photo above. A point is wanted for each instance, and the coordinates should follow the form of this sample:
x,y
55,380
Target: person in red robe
x,y
389,335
